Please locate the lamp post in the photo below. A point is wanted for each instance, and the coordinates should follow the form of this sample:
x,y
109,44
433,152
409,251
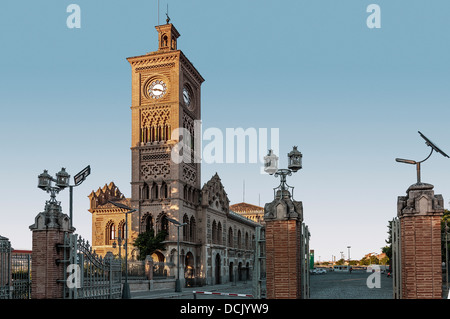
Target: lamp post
x,y
62,181
294,164
119,242
178,225
126,287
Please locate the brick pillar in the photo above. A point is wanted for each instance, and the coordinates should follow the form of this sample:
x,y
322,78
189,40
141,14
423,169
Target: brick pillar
x,y
420,214
48,232
283,218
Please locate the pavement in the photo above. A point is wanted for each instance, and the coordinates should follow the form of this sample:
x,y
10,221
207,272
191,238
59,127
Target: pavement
x,y
240,287
344,285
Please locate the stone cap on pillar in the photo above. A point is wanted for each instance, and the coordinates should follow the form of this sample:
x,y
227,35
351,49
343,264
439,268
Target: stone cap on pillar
x,y
283,208
420,200
52,218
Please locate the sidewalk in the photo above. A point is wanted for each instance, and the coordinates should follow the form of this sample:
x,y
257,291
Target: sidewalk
x,y
187,293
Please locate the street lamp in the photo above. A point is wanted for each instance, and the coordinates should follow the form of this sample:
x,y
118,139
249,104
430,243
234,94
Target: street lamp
x,y
126,287
119,242
294,164
62,181
178,225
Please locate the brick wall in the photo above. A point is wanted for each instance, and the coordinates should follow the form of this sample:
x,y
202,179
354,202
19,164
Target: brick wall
x,y
283,238
421,257
45,271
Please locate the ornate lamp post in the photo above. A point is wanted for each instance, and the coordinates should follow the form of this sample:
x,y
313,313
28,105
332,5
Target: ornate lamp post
x,y
119,242
126,287
61,181
294,164
178,225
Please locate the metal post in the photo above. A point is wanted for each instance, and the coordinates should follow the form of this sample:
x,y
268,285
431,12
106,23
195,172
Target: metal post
x,y
177,281
126,287
446,257
71,206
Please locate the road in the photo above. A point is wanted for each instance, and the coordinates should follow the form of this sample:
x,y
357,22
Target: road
x,y
343,285
332,285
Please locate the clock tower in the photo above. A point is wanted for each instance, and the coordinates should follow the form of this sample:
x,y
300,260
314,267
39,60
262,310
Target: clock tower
x,y
165,95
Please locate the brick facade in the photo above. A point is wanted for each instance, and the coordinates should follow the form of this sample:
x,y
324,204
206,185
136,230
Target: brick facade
x,y
283,264
283,218
45,271
420,214
421,257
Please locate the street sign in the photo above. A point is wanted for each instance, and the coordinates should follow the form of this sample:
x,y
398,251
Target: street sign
x,y
81,176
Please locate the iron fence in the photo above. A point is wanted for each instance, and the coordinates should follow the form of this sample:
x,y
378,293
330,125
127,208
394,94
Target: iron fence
x,y
15,272
5,268
95,277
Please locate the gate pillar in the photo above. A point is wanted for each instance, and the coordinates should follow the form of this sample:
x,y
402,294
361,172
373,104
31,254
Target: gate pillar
x,y
420,214
283,218
48,255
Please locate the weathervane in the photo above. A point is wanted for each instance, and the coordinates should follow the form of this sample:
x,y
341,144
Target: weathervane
x,y
167,14
433,148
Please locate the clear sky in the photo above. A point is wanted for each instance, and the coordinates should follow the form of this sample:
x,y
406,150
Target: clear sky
x,y
351,98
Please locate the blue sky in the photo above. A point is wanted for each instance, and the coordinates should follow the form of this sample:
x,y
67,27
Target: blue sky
x,y
351,98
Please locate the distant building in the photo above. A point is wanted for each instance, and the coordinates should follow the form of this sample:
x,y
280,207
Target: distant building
x,y
252,212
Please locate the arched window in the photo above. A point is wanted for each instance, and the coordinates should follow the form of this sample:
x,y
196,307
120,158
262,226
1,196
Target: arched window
x,y
162,223
147,222
164,190
192,229
239,239
121,230
110,233
185,227
155,193
145,191
246,241
214,232
230,237
219,233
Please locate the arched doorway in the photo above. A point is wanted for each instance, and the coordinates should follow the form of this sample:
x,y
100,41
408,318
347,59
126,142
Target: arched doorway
x,y
240,271
217,270
158,264
230,271
189,270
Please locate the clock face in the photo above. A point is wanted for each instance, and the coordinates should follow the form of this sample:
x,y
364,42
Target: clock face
x,y
186,96
157,89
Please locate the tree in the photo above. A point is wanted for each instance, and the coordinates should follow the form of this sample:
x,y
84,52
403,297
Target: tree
x,y
148,243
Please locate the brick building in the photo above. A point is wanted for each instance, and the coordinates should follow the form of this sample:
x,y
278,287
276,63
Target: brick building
x,y
216,243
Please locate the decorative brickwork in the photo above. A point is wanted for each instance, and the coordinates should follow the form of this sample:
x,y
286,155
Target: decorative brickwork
x,y
48,234
283,259
283,218
420,214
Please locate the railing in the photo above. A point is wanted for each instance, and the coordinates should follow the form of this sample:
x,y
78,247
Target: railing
x,y
94,276
15,272
259,270
396,259
5,268
304,255
21,275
